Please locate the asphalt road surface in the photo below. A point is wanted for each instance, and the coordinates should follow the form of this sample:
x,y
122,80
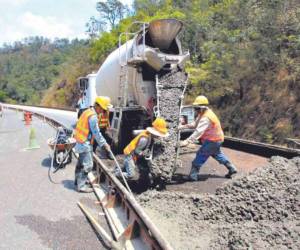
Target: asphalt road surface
x,y
35,213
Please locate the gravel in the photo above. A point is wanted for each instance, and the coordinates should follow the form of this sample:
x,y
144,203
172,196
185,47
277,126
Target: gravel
x,y
257,211
164,155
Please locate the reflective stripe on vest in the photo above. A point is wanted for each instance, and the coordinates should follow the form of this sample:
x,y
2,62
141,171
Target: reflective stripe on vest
x,y
214,132
103,119
133,144
82,129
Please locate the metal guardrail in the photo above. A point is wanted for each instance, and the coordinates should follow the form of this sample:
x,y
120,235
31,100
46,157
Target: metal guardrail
x,y
253,147
130,225
259,148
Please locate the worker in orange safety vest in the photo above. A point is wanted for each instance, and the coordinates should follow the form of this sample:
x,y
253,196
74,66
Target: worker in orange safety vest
x,y
87,131
139,145
208,130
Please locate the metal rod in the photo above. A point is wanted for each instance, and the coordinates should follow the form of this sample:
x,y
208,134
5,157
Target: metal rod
x,y
144,40
178,123
158,95
121,172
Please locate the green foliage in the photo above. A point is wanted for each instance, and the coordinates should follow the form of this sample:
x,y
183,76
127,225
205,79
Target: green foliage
x,y
64,91
27,69
3,96
245,57
265,134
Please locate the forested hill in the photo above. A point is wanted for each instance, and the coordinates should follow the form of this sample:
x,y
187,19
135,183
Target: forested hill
x,y
245,57
29,68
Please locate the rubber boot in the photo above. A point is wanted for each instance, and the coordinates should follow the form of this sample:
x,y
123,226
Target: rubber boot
x,y
231,170
77,171
85,189
193,176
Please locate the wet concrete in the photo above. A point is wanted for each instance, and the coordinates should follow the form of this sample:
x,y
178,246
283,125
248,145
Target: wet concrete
x,y
164,153
36,214
260,210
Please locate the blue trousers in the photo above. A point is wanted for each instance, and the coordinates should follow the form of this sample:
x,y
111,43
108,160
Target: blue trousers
x,y
83,167
129,167
208,149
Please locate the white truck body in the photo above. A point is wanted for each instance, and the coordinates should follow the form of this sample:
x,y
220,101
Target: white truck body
x,y
128,75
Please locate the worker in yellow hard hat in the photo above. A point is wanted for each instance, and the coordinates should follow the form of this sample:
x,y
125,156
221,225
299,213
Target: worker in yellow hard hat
x,y
86,131
103,122
208,130
139,146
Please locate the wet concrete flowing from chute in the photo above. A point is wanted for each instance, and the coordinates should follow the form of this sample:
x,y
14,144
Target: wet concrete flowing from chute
x,y
164,151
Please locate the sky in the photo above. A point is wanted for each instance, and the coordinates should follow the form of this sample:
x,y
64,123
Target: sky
x,y
48,18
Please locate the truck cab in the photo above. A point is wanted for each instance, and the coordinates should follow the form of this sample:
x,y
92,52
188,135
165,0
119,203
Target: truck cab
x,y
87,86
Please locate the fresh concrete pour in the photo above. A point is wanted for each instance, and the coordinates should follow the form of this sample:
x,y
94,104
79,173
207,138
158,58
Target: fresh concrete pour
x,y
164,153
256,211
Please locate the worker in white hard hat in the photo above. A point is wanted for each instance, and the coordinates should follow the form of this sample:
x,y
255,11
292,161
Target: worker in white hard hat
x,y
139,145
103,122
207,130
86,131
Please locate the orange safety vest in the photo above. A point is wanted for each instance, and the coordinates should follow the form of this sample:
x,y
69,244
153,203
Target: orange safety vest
x,y
214,132
82,129
133,144
103,119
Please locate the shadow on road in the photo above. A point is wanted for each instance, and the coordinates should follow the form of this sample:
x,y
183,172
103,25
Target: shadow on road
x,y
46,162
69,184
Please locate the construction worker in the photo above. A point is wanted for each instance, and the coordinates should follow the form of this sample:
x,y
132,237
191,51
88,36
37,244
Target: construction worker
x,y
208,130
81,106
139,146
87,130
103,121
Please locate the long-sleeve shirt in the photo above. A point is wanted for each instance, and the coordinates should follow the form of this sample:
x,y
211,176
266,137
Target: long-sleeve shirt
x,y
94,131
200,125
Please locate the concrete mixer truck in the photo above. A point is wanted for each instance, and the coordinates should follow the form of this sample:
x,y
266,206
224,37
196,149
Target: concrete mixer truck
x,y
130,76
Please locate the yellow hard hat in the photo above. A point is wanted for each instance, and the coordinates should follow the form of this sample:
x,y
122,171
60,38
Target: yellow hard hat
x,y
200,100
103,102
159,127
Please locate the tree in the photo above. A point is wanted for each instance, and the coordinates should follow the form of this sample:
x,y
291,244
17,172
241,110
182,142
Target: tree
x,y
111,12
94,27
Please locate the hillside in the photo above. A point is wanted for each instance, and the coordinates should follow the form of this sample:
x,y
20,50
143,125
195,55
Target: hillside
x,y
32,70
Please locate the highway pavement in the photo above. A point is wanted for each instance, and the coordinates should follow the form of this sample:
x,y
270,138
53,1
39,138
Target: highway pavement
x,y
35,213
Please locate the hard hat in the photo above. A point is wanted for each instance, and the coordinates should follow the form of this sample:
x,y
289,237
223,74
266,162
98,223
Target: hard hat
x,y
200,100
103,102
159,128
